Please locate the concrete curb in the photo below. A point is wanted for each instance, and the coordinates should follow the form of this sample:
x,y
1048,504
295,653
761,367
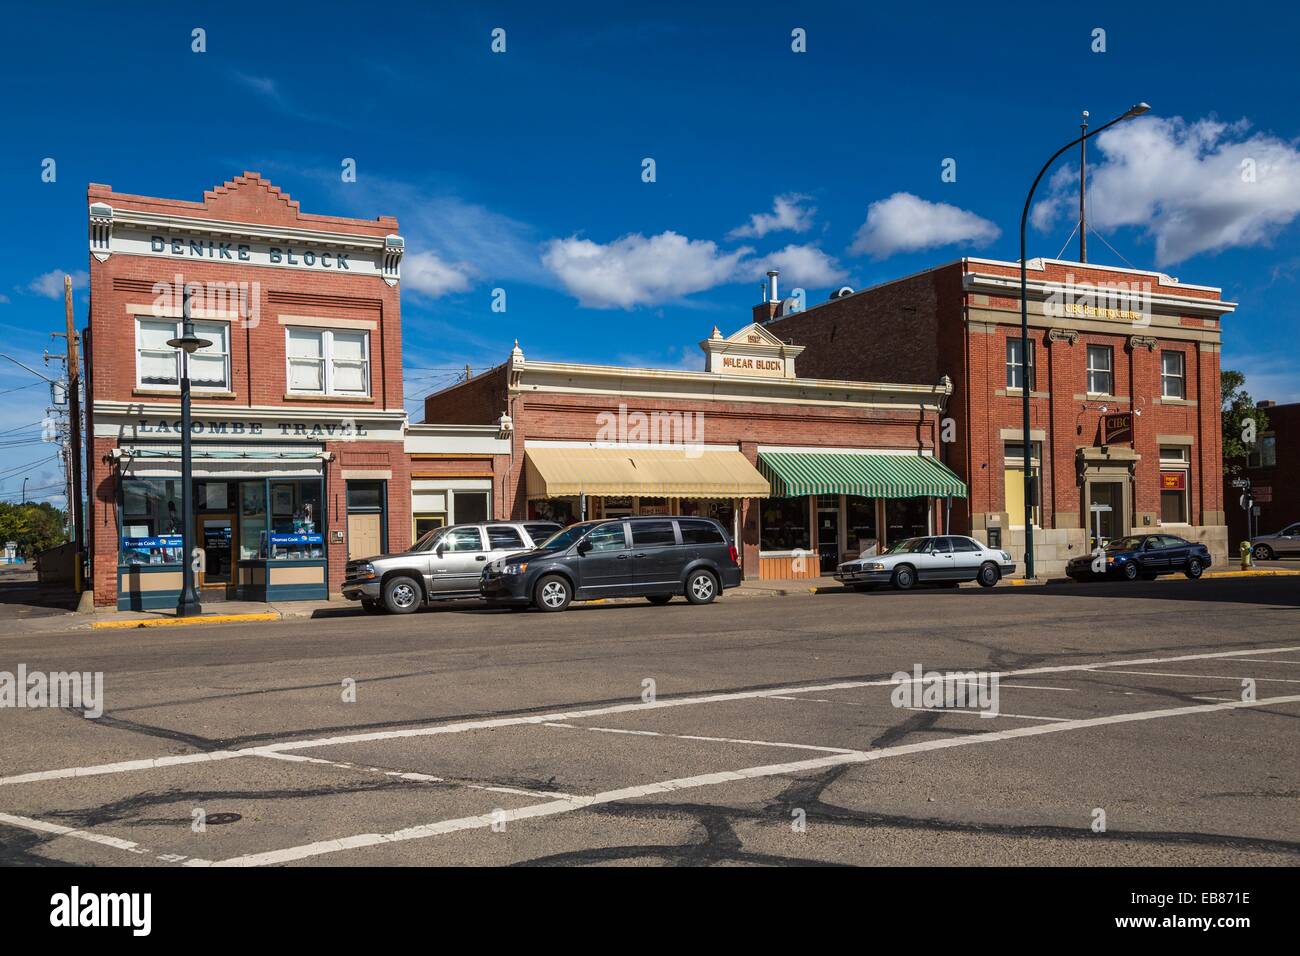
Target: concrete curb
x,y
187,621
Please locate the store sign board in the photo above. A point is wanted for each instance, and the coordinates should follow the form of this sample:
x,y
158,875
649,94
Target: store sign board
x,y
1173,481
1117,427
246,251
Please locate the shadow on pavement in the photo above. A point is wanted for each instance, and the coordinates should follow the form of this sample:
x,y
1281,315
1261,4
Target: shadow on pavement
x,y
22,596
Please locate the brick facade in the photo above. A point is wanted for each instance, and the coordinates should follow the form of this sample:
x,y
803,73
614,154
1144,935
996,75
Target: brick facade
x,y
1277,480
956,319
240,282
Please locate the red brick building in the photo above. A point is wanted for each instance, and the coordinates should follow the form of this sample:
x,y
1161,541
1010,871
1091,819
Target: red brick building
x,y
1272,469
802,471
1123,373
297,402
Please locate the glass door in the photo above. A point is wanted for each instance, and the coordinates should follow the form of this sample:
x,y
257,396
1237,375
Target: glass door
x,y
828,538
1106,511
217,539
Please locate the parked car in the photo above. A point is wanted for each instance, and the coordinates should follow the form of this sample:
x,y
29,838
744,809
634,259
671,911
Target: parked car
x,y
1269,546
651,557
444,564
1144,556
944,559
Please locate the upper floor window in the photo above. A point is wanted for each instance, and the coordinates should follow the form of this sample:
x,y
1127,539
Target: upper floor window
x,y
328,361
1264,454
1016,364
1101,380
158,365
1172,375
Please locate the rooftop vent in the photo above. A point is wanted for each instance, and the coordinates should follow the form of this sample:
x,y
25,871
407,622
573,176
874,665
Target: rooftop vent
x,y
841,292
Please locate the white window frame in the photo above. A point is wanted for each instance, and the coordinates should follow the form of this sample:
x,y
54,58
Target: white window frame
x,y
1026,369
327,361
1182,462
1180,378
199,326
1108,371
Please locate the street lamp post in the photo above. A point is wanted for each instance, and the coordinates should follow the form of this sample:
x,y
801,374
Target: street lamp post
x,y
188,344
1133,111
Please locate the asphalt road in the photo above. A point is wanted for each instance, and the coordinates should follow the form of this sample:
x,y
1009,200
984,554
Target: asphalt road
x,y
758,730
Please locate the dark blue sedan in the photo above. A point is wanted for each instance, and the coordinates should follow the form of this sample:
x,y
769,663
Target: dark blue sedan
x,y
1142,557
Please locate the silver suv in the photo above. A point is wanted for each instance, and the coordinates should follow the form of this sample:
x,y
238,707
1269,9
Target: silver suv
x,y
444,564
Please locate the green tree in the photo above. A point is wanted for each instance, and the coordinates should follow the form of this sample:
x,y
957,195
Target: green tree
x,y
35,527
1243,421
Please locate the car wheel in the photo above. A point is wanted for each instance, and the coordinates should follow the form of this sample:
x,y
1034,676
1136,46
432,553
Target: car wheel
x,y
553,593
989,574
401,595
1131,571
1263,552
904,577
371,607
701,587
1193,569
659,598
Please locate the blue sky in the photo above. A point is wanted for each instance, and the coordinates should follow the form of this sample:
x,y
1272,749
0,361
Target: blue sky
x,y
522,170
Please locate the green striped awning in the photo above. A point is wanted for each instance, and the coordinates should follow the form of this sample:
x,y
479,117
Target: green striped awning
x,y
796,473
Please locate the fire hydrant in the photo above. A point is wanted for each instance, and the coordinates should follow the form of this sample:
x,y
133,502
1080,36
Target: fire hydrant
x,y
1246,553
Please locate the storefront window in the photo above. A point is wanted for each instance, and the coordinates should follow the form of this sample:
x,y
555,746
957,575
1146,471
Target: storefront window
x,y
252,517
563,511
151,509
469,506
907,517
860,515
723,510
784,524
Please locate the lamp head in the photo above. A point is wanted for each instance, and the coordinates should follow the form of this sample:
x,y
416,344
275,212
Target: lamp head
x,y
1137,110
189,343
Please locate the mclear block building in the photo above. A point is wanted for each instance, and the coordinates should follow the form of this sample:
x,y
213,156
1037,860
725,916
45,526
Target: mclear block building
x,y
1123,377
297,430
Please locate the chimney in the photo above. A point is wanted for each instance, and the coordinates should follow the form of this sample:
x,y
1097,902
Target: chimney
x,y
770,307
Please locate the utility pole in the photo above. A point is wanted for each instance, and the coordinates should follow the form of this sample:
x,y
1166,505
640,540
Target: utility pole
x,y
1083,180
73,376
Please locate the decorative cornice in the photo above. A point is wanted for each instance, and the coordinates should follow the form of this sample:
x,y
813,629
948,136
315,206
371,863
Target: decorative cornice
x,y
394,247
1069,336
1147,342
101,230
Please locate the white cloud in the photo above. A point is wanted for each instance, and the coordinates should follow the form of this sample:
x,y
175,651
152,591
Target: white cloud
x,y
1184,184
50,284
788,212
1268,375
804,266
907,223
427,273
636,270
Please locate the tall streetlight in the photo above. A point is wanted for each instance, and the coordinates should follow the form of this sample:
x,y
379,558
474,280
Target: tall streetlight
x,y
188,344
1133,111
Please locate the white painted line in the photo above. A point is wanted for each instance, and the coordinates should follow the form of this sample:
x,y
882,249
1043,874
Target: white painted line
x,y
1260,660
1213,698
720,740
1070,690
550,808
40,826
490,723
1271,680
980,713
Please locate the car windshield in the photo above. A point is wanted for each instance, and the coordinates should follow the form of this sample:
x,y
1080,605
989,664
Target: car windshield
x,y
1125,544
907,546
428,541
566,536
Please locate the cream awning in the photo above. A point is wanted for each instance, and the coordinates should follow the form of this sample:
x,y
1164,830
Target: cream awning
x,y
680,472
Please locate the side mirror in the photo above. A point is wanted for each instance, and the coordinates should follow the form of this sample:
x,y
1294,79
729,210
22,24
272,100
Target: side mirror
x,y
441,549
584,545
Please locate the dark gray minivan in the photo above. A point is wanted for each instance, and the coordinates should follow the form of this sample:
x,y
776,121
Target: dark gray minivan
x,y
652,557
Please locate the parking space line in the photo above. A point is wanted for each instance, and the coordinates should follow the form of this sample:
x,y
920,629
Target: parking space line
x,y
661,703
1271,680
981,713
721,740
1260,660
58,830
552,807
